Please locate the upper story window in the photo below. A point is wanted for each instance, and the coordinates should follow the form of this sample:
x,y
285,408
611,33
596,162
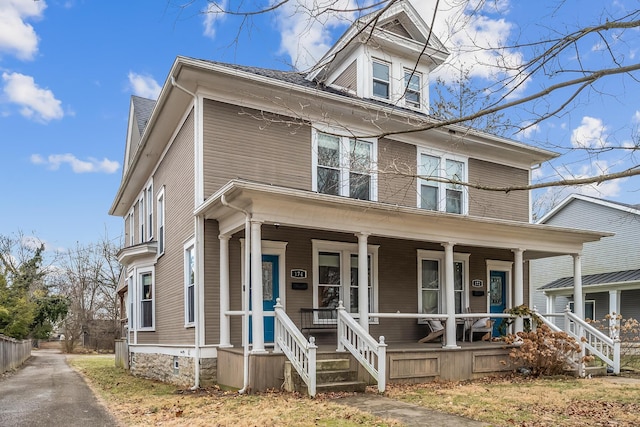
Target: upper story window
x,y
160,221
141,219
344,166
149,212
443,192
413,85
132,228
381,79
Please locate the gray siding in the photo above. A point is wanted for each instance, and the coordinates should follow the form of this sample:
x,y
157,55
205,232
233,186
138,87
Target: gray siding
x,y
397,188
176,174
616,253
211,283
240,143
492,204
349,78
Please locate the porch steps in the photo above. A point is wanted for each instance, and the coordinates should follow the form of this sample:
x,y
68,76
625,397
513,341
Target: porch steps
x,y
332,375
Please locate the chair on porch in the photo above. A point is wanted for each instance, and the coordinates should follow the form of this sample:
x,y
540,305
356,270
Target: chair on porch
x,y
436,331
473,325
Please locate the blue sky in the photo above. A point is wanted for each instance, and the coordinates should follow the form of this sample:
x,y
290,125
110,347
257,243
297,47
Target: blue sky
x,y
68,69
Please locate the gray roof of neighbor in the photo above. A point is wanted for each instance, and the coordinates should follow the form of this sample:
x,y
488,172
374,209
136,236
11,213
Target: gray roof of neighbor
x,y
596,279
142,108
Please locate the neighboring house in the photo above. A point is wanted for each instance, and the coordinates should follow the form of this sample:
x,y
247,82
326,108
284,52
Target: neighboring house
x,y
610,267
242,186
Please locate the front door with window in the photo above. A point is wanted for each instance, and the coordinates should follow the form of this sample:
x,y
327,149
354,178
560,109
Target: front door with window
x,y
270,292
497,297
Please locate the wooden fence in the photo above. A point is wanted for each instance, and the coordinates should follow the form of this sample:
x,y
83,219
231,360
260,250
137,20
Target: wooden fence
x,y
13,353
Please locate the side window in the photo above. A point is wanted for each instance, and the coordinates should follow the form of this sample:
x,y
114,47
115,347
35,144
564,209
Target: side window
x,y
381,80
160,220
147,298
141,220
189,285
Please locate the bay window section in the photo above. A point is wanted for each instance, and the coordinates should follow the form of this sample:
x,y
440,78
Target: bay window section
x,y
344,166
147,295
431,284
336,270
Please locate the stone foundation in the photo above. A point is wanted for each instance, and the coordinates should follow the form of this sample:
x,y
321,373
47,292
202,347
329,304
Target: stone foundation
x,y
162,367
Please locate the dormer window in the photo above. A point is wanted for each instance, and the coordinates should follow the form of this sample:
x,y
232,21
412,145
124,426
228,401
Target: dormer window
x,y
413,83
381,80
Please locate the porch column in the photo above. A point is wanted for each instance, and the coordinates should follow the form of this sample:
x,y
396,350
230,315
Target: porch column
x,y
551,306
518,285
450,299
225,328
614,311
578,298
257,317
363,280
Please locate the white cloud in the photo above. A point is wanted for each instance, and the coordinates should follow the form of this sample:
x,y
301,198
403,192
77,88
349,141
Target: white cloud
x,y
54,161
144,85
592,133
212,14
606,189
305,28
17,37
636,117
37,103
475,39
529,130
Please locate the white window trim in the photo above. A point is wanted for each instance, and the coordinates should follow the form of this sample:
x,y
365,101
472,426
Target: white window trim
x,y
439,256
587,301
270,247
161,222
140,272
131,306
344,161
190,245
141,220
345,250
132,227
405,88
389,82
442,186
149,211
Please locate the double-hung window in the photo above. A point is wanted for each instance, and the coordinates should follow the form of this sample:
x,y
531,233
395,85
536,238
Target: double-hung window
x,y
381,80
160,220
141,219
132,228
336,275
149,212
189,284
344,166
431,281
440,185
413,88
147,298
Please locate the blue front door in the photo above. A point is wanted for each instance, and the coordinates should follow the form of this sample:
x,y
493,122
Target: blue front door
x,y
270,292
497,297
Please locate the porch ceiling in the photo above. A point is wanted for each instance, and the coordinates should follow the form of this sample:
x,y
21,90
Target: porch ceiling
x,y
307,209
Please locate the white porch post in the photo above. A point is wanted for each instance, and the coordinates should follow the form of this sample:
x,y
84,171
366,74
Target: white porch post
x,y
257,317
518,285
225,328
450,299
363,281
551,306
578,297
614,311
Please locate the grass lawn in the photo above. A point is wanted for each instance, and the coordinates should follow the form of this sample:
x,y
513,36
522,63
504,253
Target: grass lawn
x,y
515,401
140,402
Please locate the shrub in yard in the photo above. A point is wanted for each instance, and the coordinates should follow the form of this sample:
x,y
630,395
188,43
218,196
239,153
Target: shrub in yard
x,y
543,351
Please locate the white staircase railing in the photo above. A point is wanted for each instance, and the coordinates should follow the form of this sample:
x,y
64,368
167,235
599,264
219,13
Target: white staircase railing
x,y
364,348
605,348
300,352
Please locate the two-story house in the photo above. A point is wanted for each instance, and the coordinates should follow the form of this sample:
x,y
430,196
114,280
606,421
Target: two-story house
x,y
244,187
611,273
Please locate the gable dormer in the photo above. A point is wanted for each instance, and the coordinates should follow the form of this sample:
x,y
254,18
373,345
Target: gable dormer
x,y
139,113
382,56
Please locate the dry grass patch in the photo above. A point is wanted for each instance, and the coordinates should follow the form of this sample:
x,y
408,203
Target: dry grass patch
x,y
558,401
136,401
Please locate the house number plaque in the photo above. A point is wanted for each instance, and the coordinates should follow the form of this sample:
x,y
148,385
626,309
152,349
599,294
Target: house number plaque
x,y
477,283
298,273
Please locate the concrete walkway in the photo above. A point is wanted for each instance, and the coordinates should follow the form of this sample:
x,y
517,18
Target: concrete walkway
x,y
47,392
408,414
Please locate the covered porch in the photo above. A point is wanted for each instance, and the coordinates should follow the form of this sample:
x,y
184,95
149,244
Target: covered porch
x,y
395,267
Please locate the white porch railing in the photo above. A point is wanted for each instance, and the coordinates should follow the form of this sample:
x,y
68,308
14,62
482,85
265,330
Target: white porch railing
x,y
600,345
366,350
300,352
